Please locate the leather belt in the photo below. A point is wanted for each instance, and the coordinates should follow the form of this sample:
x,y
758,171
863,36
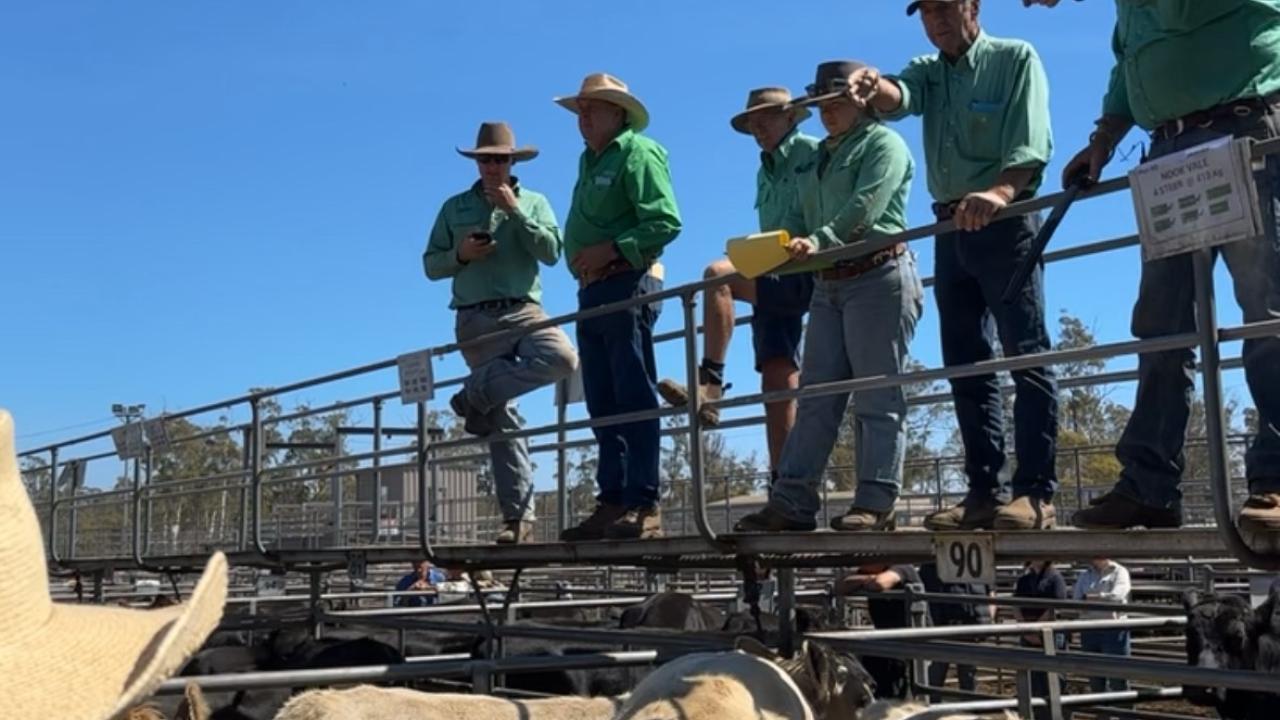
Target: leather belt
x,y
615,267
1241,109
502,304
849,269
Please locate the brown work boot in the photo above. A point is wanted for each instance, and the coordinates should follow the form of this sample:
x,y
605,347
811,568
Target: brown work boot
x,y
593,527
1260,514
637,523
515,532
677,395
770,520
1114,511
1026,513
971,514
863,520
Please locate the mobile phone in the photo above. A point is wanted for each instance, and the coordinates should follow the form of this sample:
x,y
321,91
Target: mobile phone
x,y
484,238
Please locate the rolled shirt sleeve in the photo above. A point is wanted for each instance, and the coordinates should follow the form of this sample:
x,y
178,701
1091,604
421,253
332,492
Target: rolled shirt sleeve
x,y
1028,140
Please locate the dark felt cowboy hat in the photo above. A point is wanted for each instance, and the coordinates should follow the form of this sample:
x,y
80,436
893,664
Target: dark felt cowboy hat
x,y
831,81
768,98
496,138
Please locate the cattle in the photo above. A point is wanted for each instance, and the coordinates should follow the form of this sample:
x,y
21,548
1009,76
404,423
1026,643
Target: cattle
x,y
1224,632
893,710
371,703
672,611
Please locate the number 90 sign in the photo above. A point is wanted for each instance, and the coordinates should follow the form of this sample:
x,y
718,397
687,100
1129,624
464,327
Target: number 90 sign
x,y
965,558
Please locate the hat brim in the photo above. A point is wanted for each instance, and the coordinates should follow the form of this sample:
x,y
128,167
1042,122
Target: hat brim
x,y
739,121
517,154
637,115
913,7
95,662
807,101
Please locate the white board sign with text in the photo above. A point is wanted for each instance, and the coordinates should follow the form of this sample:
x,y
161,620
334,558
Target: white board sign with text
x,y
416,382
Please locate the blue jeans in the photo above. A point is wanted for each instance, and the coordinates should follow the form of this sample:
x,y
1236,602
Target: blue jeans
x,y
1106,642
1151,448
971,272
858,328
619,375
501,371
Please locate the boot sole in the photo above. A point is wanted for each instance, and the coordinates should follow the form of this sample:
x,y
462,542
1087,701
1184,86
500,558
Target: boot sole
x,y
1048,524
674,396
887,526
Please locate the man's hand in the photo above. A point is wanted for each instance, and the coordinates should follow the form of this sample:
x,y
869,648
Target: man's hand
x,y
592,259
864,85
801,248
502,197
1088,161
852,584
976,210
472,249
420,585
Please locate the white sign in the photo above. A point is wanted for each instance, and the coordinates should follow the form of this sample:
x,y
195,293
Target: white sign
x,y
416,382
965,559
1194,199
270,585
157,433
128,441
569,390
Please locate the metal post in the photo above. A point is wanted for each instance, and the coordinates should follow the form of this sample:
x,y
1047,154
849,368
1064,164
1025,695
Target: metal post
x,y
255,471
425,527
53,503
1079,480
917,617
562,458
247,465
313,620
377,472
137,505
74,467
1023,683
787,611
937,479
99,595
1048,641
701,520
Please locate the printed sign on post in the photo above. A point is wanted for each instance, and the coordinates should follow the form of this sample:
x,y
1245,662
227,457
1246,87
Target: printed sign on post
x,y
965,559
416,383
569,390
157,433
1198,198
128,441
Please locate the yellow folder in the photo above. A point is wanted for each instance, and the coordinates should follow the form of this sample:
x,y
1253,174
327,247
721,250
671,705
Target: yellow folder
x,y
758,254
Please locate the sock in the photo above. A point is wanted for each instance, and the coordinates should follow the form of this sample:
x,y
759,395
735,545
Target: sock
x,y
711,372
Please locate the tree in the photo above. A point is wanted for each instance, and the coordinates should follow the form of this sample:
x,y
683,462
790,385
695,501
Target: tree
x,y
726,473
1090,422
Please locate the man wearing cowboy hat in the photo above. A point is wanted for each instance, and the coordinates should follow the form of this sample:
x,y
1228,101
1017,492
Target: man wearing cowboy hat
x,y
60,660
862,317
489,240
623,214
780,301
987,139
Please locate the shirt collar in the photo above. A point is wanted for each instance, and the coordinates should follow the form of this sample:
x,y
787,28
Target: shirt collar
x,y
976,51
623,139
831,144
779,156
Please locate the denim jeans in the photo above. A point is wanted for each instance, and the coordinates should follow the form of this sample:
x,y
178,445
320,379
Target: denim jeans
x,y
619,375
502,370
858,328
1151,448
1106,642
971,272
966,676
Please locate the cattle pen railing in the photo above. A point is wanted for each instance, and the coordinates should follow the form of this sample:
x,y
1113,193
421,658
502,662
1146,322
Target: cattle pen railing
x,y
708,546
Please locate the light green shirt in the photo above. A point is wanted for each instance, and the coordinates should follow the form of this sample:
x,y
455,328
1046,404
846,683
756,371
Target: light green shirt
x,y
987,113
511,271
1175,57
855,187
778,175
624,196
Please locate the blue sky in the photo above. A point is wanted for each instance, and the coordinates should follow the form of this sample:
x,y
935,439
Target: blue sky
x,y
203,197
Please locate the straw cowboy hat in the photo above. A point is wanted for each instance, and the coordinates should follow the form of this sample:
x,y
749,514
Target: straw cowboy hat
x,y
496,138
73,661
831,81
768,98
599,86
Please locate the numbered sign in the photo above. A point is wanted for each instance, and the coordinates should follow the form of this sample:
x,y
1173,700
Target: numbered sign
x,y
965,559
416,382
157,433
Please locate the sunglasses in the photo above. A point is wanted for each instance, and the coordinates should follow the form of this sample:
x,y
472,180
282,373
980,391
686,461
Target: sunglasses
x,y
493,159
831,86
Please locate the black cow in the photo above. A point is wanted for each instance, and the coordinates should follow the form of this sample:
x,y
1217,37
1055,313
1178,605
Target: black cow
x,y
672,611
1224,632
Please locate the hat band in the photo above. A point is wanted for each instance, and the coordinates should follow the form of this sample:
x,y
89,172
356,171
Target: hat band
x,y
832,85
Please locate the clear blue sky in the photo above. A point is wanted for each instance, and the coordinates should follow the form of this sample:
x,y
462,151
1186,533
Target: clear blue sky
x,y
203,197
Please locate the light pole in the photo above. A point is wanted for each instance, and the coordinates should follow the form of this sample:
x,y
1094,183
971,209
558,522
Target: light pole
x,y
127,414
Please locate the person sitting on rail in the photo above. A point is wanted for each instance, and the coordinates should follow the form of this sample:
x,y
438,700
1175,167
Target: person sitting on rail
x,y
1190,72
622,216
424,577
489,241
862,317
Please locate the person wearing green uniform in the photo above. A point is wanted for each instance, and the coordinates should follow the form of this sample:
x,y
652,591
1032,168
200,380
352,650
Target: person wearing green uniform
x,y
987,139
862,317
489,241
623,214
1190,72
780,301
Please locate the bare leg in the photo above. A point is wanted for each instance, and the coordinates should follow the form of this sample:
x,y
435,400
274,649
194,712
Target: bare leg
x,y
717,313
779,374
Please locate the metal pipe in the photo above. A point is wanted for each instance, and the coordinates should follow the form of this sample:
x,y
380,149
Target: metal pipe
x,y
255,473
694,421
377,474
424,542
562,458
962,631
53,505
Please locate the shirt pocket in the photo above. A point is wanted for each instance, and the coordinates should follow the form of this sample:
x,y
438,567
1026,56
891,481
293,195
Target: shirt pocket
x,y
985,128
601,191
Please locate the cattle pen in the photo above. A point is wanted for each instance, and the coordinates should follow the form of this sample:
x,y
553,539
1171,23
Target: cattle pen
x,y
802,567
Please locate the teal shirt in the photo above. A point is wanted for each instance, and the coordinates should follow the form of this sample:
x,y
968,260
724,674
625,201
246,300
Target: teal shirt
x,y
523,240
855,187
987,113
1176,57
624,196
778,175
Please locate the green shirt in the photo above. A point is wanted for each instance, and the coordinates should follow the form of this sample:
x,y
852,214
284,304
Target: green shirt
x,y
1175,57
987,113
510,271
624,196
776,180
855,187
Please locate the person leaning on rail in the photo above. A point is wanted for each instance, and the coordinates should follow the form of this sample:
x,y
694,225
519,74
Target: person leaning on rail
x,y
623,214
985,102
862,317
489,240
780,301
1190,72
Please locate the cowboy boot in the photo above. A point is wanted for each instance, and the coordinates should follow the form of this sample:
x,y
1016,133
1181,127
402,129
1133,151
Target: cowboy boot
x,y
677,395
515,532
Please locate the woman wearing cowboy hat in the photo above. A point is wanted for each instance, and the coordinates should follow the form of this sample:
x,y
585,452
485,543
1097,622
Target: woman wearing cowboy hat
x,y
489,241
862,317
